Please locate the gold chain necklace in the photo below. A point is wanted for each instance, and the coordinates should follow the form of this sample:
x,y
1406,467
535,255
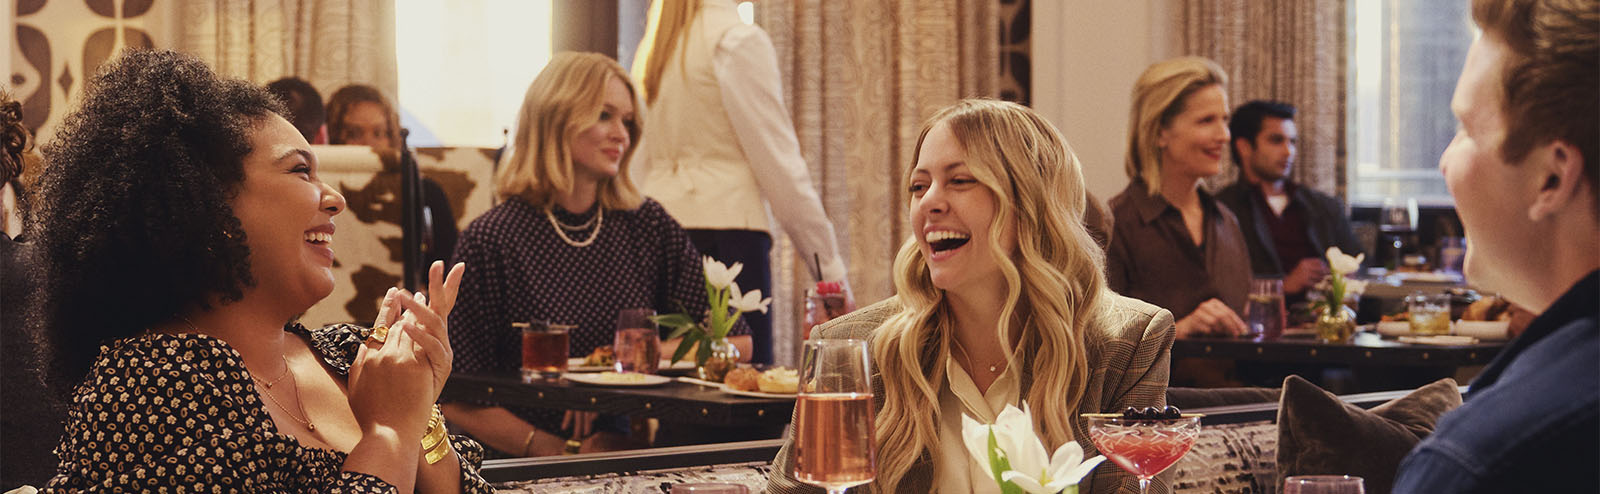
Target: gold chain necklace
x,y
267,390
994,369
599,220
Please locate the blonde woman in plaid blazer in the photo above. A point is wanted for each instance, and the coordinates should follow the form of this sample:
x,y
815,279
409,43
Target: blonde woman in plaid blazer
x,y
1001,301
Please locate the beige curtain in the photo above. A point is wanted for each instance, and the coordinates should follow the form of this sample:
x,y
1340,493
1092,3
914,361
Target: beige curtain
x,y
860,79
1292,51
329,43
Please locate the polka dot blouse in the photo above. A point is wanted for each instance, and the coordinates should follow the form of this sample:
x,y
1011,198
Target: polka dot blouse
x,y
178,413
519,269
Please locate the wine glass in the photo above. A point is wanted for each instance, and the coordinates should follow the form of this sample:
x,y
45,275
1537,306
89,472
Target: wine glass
x,y
835,447
1323,484
1143,447
1397,218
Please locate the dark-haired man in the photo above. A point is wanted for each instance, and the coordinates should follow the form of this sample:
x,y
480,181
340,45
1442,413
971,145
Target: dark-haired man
x,y
1286,226
305,105
1523,171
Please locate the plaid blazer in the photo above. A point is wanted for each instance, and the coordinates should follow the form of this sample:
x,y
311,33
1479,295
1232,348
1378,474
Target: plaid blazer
x,y
1128,362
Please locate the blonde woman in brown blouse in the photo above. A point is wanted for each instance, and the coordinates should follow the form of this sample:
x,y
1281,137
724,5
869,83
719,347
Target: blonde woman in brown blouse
x,y
1001,301
184,225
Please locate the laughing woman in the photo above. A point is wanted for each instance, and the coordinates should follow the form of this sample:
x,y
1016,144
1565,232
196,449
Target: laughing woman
x,y
1001,301
184,224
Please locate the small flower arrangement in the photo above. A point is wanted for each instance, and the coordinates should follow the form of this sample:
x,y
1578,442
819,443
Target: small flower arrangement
x,y
1016,458
1336,287
727,304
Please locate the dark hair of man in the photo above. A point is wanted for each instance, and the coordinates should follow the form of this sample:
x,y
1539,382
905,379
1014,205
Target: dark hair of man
x,y
1551,79
135,225
1246,121
304,102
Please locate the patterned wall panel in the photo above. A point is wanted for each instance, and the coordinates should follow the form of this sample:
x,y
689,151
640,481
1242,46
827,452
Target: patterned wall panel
x,y
58,44
1016,51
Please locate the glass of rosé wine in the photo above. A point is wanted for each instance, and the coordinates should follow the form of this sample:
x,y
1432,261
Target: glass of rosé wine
x,y
1144,442
834,444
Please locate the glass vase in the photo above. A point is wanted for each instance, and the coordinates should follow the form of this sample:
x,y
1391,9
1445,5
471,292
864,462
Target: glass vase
x,y
1337,325
724,357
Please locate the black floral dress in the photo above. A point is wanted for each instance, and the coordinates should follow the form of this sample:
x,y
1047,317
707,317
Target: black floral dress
x,y
178,413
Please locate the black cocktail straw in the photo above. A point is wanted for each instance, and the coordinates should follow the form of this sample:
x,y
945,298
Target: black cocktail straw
x,y
817,268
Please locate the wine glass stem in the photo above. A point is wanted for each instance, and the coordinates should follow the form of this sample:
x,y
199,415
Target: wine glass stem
x,y
1144,485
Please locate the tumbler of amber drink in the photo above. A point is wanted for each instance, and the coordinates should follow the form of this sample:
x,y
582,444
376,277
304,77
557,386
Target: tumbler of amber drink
x,y
544,349
1429,314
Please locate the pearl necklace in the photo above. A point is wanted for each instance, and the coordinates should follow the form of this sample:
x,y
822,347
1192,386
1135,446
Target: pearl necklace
x,y
562,228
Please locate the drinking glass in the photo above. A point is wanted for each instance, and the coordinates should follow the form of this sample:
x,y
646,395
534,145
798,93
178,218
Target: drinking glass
x,y
1397,219
1143,447
1323,484
1452,253
638,342
544,349
1265,316
1429,313
835,448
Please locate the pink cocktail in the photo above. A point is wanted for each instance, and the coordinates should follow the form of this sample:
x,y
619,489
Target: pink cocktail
x,y
1143,447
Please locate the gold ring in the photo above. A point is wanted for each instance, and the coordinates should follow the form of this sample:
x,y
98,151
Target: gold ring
x,y
379,334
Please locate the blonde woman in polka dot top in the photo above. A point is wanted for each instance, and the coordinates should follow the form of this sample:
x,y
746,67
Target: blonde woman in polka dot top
x,y
572,243
184,224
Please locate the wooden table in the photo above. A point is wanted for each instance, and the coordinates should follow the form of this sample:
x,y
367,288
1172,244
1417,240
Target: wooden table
x,y
1374,363
676,402
1366,349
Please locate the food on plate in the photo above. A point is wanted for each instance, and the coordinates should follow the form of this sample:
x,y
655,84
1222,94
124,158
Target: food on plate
x,y
1488,309
742,379
779,380
1401,316
601,356
621,377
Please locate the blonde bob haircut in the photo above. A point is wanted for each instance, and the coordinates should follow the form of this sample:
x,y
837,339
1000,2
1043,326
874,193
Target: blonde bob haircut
x,y
566,98
1158,96
1054,285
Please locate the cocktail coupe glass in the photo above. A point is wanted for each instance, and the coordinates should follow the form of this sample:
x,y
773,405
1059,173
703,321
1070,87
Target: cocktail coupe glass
x,y
1143,447
835,447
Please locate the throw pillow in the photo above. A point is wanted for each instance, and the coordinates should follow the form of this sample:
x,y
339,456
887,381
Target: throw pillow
x,y
1320,434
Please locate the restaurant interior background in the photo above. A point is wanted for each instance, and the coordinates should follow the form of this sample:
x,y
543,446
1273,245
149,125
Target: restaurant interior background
x,y
1372,80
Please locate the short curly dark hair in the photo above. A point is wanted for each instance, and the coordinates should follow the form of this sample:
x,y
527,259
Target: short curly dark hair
x,y
134,220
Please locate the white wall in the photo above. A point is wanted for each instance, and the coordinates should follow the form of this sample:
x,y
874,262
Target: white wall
x,y
1086,56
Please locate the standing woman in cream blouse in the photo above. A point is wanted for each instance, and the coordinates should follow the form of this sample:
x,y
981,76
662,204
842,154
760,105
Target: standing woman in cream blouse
x,y
1001,301
721,147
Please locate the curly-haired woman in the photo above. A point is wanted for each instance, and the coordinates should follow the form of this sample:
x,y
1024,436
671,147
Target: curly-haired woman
x,y
183,225
1001,301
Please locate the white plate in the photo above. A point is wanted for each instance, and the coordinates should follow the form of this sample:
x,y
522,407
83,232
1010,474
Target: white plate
x,y
644,380
757,394
575,364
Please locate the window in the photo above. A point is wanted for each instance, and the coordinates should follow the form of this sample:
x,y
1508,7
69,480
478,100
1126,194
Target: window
x,y
1404,59
464,66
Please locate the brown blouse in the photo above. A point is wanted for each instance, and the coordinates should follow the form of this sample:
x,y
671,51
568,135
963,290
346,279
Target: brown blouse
x,y
1152,258
178,413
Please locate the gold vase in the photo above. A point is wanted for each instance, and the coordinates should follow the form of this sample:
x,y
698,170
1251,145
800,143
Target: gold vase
x,y
1336,326
724,357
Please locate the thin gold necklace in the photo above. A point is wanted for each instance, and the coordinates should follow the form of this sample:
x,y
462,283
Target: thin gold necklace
x,y
267,390
993,369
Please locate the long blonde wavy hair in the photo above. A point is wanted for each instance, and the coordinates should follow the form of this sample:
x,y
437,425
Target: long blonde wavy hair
x,y
565,98
1054,281
668,22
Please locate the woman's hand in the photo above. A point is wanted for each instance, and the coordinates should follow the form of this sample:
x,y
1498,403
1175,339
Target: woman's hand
x,y
390,386
580,422
1211,317
430,319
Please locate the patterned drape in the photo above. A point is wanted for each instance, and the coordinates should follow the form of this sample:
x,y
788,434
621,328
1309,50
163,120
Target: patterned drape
x,y
1292,51
860,79
329,43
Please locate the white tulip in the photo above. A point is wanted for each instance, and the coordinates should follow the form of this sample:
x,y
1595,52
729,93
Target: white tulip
x,y
718,274
748,302
1342,263
1031,469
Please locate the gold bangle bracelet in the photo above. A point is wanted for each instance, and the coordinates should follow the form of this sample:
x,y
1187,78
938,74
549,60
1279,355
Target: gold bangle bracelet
x,y
437,453
434,441
528,442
